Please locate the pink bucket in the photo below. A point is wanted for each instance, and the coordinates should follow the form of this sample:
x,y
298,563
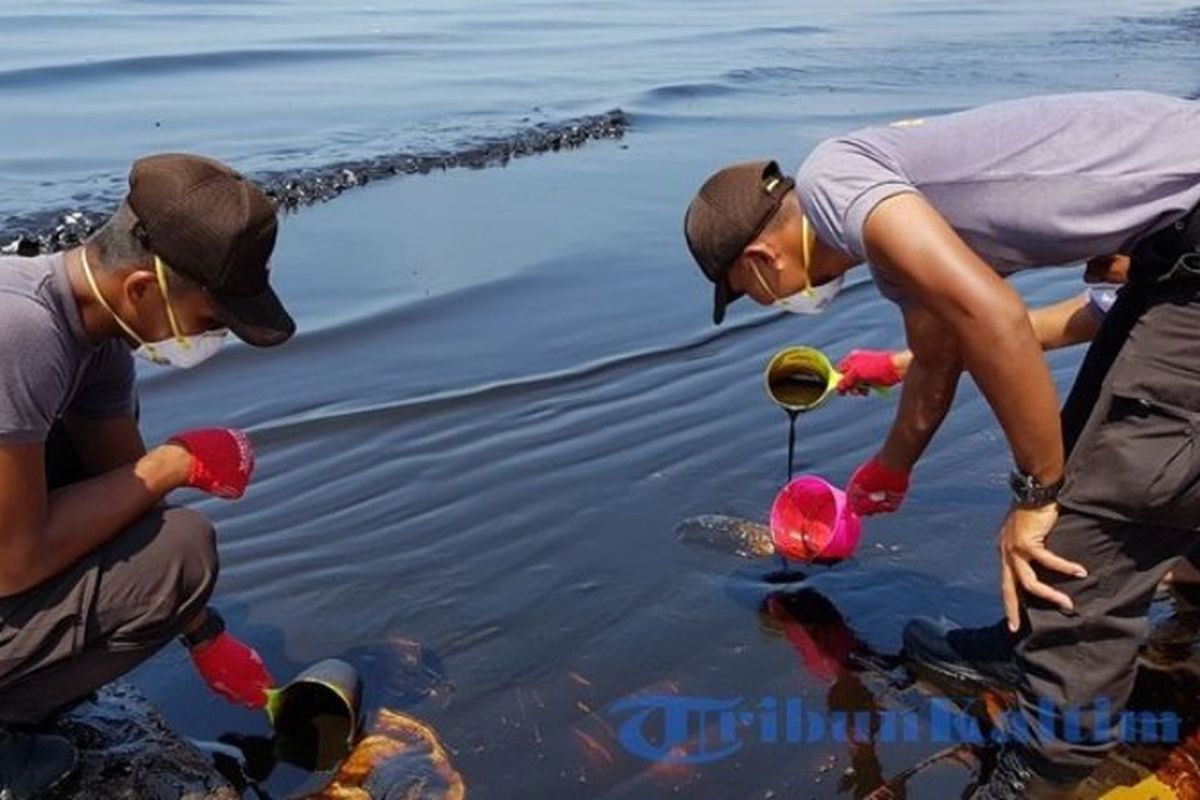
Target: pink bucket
x,y
811,521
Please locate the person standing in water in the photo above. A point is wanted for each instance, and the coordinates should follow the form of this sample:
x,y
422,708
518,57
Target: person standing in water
x,y
96,573
943,209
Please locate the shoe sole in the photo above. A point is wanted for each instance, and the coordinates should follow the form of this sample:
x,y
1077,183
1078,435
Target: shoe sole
x,y
66,776
948,678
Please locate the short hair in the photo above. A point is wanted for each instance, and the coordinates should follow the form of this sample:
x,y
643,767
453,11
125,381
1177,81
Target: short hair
x,y
783,213
121,242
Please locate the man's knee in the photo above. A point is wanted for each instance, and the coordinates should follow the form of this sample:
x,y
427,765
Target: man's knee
x,y
192,541
1072,658
165,583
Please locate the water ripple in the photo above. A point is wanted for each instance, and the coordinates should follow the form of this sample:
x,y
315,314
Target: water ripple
x,y
158,66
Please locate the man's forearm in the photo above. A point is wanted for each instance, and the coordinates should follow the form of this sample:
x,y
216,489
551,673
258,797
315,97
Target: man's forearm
x,y
105,444
924,403
917,249
82,516
1023,399
1062,324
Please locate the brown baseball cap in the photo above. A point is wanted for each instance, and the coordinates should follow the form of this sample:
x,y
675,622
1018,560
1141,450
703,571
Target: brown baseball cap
x,y
729,212
212,225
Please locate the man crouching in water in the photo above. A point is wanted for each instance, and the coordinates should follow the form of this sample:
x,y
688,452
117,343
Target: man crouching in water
x,y
96,574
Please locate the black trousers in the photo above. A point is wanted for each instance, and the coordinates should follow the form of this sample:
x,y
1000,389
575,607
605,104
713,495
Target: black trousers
x,y
113,609
1130,507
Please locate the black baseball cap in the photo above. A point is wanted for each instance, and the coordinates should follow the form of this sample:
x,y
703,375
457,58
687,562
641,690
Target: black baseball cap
x,y
729,212
212,225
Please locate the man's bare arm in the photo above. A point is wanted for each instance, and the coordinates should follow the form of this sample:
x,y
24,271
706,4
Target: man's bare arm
x,y
105,444
43,534
928,389
914,245
1062,324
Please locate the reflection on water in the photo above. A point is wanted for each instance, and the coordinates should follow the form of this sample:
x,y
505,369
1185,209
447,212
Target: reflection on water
x,y
862,683
401,758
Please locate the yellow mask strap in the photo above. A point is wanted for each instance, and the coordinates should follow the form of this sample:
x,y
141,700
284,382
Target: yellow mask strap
x,y
160,270
806,237
91,279
763,282
806,241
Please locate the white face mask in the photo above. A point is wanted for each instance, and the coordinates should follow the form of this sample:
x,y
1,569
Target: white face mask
x,y
183,352
812,299
179,351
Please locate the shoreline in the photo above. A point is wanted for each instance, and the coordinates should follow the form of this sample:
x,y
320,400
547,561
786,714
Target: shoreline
x,y
46,232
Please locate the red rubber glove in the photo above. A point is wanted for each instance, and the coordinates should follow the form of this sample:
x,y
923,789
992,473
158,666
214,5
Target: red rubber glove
x,y
233,670
876,489
222,460
864,369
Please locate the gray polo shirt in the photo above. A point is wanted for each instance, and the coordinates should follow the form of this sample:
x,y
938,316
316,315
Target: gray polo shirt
x,y
47,367
1026,183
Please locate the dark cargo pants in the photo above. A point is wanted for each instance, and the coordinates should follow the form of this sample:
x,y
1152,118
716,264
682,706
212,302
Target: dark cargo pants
x,y
67,637
1129,508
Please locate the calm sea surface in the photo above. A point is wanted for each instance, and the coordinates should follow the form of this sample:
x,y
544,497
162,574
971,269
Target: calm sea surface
x,y
506,392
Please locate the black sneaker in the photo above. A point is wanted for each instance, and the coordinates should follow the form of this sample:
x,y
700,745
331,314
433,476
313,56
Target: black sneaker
x,y
971,659
32,764
1013,779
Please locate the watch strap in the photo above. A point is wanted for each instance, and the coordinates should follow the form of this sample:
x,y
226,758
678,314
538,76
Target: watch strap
x,y
1029,492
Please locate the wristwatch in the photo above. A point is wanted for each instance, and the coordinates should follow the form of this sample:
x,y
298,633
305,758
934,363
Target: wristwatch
x,y
1030,492
212,627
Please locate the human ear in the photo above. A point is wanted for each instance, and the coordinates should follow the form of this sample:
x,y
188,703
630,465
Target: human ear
x,y
759,254
138,284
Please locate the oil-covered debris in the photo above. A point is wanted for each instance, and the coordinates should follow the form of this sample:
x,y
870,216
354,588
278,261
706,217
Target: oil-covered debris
x,y
51,231
127,752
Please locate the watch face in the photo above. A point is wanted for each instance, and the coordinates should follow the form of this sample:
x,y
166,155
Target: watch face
x,y
1024,487
1029,492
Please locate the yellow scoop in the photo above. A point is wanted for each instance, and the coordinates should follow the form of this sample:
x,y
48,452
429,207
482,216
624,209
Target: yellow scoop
x,y
802,378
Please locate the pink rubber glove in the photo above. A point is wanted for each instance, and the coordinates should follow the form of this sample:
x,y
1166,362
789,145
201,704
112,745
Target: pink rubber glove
x,y
876,489
233,670
863,369
222,460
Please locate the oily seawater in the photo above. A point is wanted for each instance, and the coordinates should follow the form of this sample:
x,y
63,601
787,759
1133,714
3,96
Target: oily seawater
x,y
799,389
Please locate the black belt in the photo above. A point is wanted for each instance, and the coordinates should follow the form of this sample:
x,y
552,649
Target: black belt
x,y
1170,255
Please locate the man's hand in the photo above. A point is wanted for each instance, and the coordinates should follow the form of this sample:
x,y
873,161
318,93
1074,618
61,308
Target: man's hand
x,y
863,370
222,460
1022,542
876,489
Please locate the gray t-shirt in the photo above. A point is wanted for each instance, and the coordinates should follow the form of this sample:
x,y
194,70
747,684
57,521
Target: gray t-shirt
x,y
1034,182
47,367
